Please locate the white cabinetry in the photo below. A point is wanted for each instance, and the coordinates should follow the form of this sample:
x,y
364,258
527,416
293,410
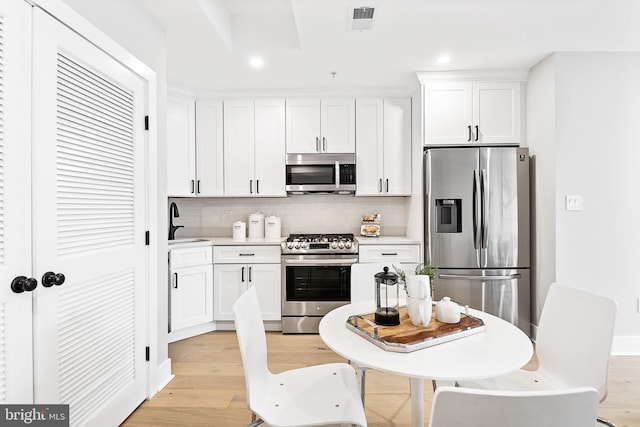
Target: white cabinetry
x,y
236,268
403,253
464,112
191,288
194,147
72,202
254,148
383,147
321,125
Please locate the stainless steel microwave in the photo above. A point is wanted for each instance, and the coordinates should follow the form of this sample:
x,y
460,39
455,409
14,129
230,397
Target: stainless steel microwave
x,y
321,173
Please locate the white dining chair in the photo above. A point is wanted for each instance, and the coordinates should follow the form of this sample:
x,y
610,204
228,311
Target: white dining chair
x,y
573,345
463,407
310,396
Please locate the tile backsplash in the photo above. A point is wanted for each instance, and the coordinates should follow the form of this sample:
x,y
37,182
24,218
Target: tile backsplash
x,y
298,214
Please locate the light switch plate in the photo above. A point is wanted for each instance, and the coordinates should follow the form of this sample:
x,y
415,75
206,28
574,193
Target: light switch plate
x,y
574,203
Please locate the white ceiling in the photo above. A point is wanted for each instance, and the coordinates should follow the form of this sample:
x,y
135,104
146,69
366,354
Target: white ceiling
x,y
210,42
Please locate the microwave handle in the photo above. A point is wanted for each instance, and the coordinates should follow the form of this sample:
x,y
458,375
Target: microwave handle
x,y
337,174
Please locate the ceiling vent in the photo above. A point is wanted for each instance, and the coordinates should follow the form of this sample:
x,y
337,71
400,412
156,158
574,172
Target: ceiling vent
x,y
361,18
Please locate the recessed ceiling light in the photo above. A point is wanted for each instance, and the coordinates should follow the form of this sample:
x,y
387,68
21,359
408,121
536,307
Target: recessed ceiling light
x,y
444,59
256,62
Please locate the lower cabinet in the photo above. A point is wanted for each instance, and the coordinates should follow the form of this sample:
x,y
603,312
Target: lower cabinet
x,y
233,275
190,291
191,296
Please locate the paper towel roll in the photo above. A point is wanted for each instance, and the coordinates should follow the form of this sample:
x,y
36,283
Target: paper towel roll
x,y
272,227
239,230
256,225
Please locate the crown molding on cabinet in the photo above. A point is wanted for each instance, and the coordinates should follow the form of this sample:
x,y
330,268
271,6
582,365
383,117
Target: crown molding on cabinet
x,y
519,75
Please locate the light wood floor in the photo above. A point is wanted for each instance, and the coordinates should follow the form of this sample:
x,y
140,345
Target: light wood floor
x,y
209,388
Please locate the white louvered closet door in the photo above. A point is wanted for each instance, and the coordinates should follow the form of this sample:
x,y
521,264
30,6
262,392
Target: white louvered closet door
x,y
89,217
15,187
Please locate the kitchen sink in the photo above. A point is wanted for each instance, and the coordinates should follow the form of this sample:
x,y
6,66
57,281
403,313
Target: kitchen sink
x,y
187,240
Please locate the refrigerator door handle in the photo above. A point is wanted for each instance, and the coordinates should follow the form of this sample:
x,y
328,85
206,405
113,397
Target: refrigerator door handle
x,y
475,210
479,278
483,207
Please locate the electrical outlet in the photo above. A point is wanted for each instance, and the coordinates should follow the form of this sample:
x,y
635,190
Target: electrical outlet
x,y
574,203
225,215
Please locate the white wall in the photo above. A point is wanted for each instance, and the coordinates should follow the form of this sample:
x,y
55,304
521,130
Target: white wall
x,y
127,24
298,214
597,111
540,137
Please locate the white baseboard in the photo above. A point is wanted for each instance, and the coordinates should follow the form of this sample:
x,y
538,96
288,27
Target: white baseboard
x,y
163,377
626,345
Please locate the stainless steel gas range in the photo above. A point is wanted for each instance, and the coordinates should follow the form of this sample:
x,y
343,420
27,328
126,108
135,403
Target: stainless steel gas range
x,y
316,278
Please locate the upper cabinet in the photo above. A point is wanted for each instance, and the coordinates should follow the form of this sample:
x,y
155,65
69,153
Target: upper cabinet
x,y
464,112
254,148
321,125
383,147
194,147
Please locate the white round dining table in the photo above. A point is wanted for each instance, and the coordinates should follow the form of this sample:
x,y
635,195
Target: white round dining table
x,y
500,349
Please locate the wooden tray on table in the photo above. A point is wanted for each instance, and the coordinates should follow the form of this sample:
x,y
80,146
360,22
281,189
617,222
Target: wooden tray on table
x,y
406,337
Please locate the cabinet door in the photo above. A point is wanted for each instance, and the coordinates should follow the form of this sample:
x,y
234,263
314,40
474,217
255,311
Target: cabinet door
x,y
447,113
209,148
239,148
16,372
397,147
89,220
266,278
369,146
181,146
191,296
497,113
337,125
229,282
270,148
303,125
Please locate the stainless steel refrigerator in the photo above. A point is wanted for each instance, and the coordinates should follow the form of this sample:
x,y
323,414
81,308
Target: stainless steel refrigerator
x,y
477,228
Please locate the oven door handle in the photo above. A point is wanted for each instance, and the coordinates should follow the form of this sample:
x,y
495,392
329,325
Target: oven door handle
x,y
320,262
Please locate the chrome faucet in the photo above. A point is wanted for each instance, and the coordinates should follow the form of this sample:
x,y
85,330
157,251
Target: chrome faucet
x,y
173,213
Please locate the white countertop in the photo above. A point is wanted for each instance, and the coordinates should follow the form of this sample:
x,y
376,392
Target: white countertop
x,y
230,241
386,240
188,242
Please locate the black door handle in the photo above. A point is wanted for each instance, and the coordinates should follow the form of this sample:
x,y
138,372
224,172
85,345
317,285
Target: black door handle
x,y
50,278
21,284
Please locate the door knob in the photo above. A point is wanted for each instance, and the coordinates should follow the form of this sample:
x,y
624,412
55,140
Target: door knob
x,y
50,278
21,284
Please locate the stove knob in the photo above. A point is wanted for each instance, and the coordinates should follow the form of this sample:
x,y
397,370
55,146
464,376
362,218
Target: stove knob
x,y
305,245
347,244
290,245
334,245
297,245
341,245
